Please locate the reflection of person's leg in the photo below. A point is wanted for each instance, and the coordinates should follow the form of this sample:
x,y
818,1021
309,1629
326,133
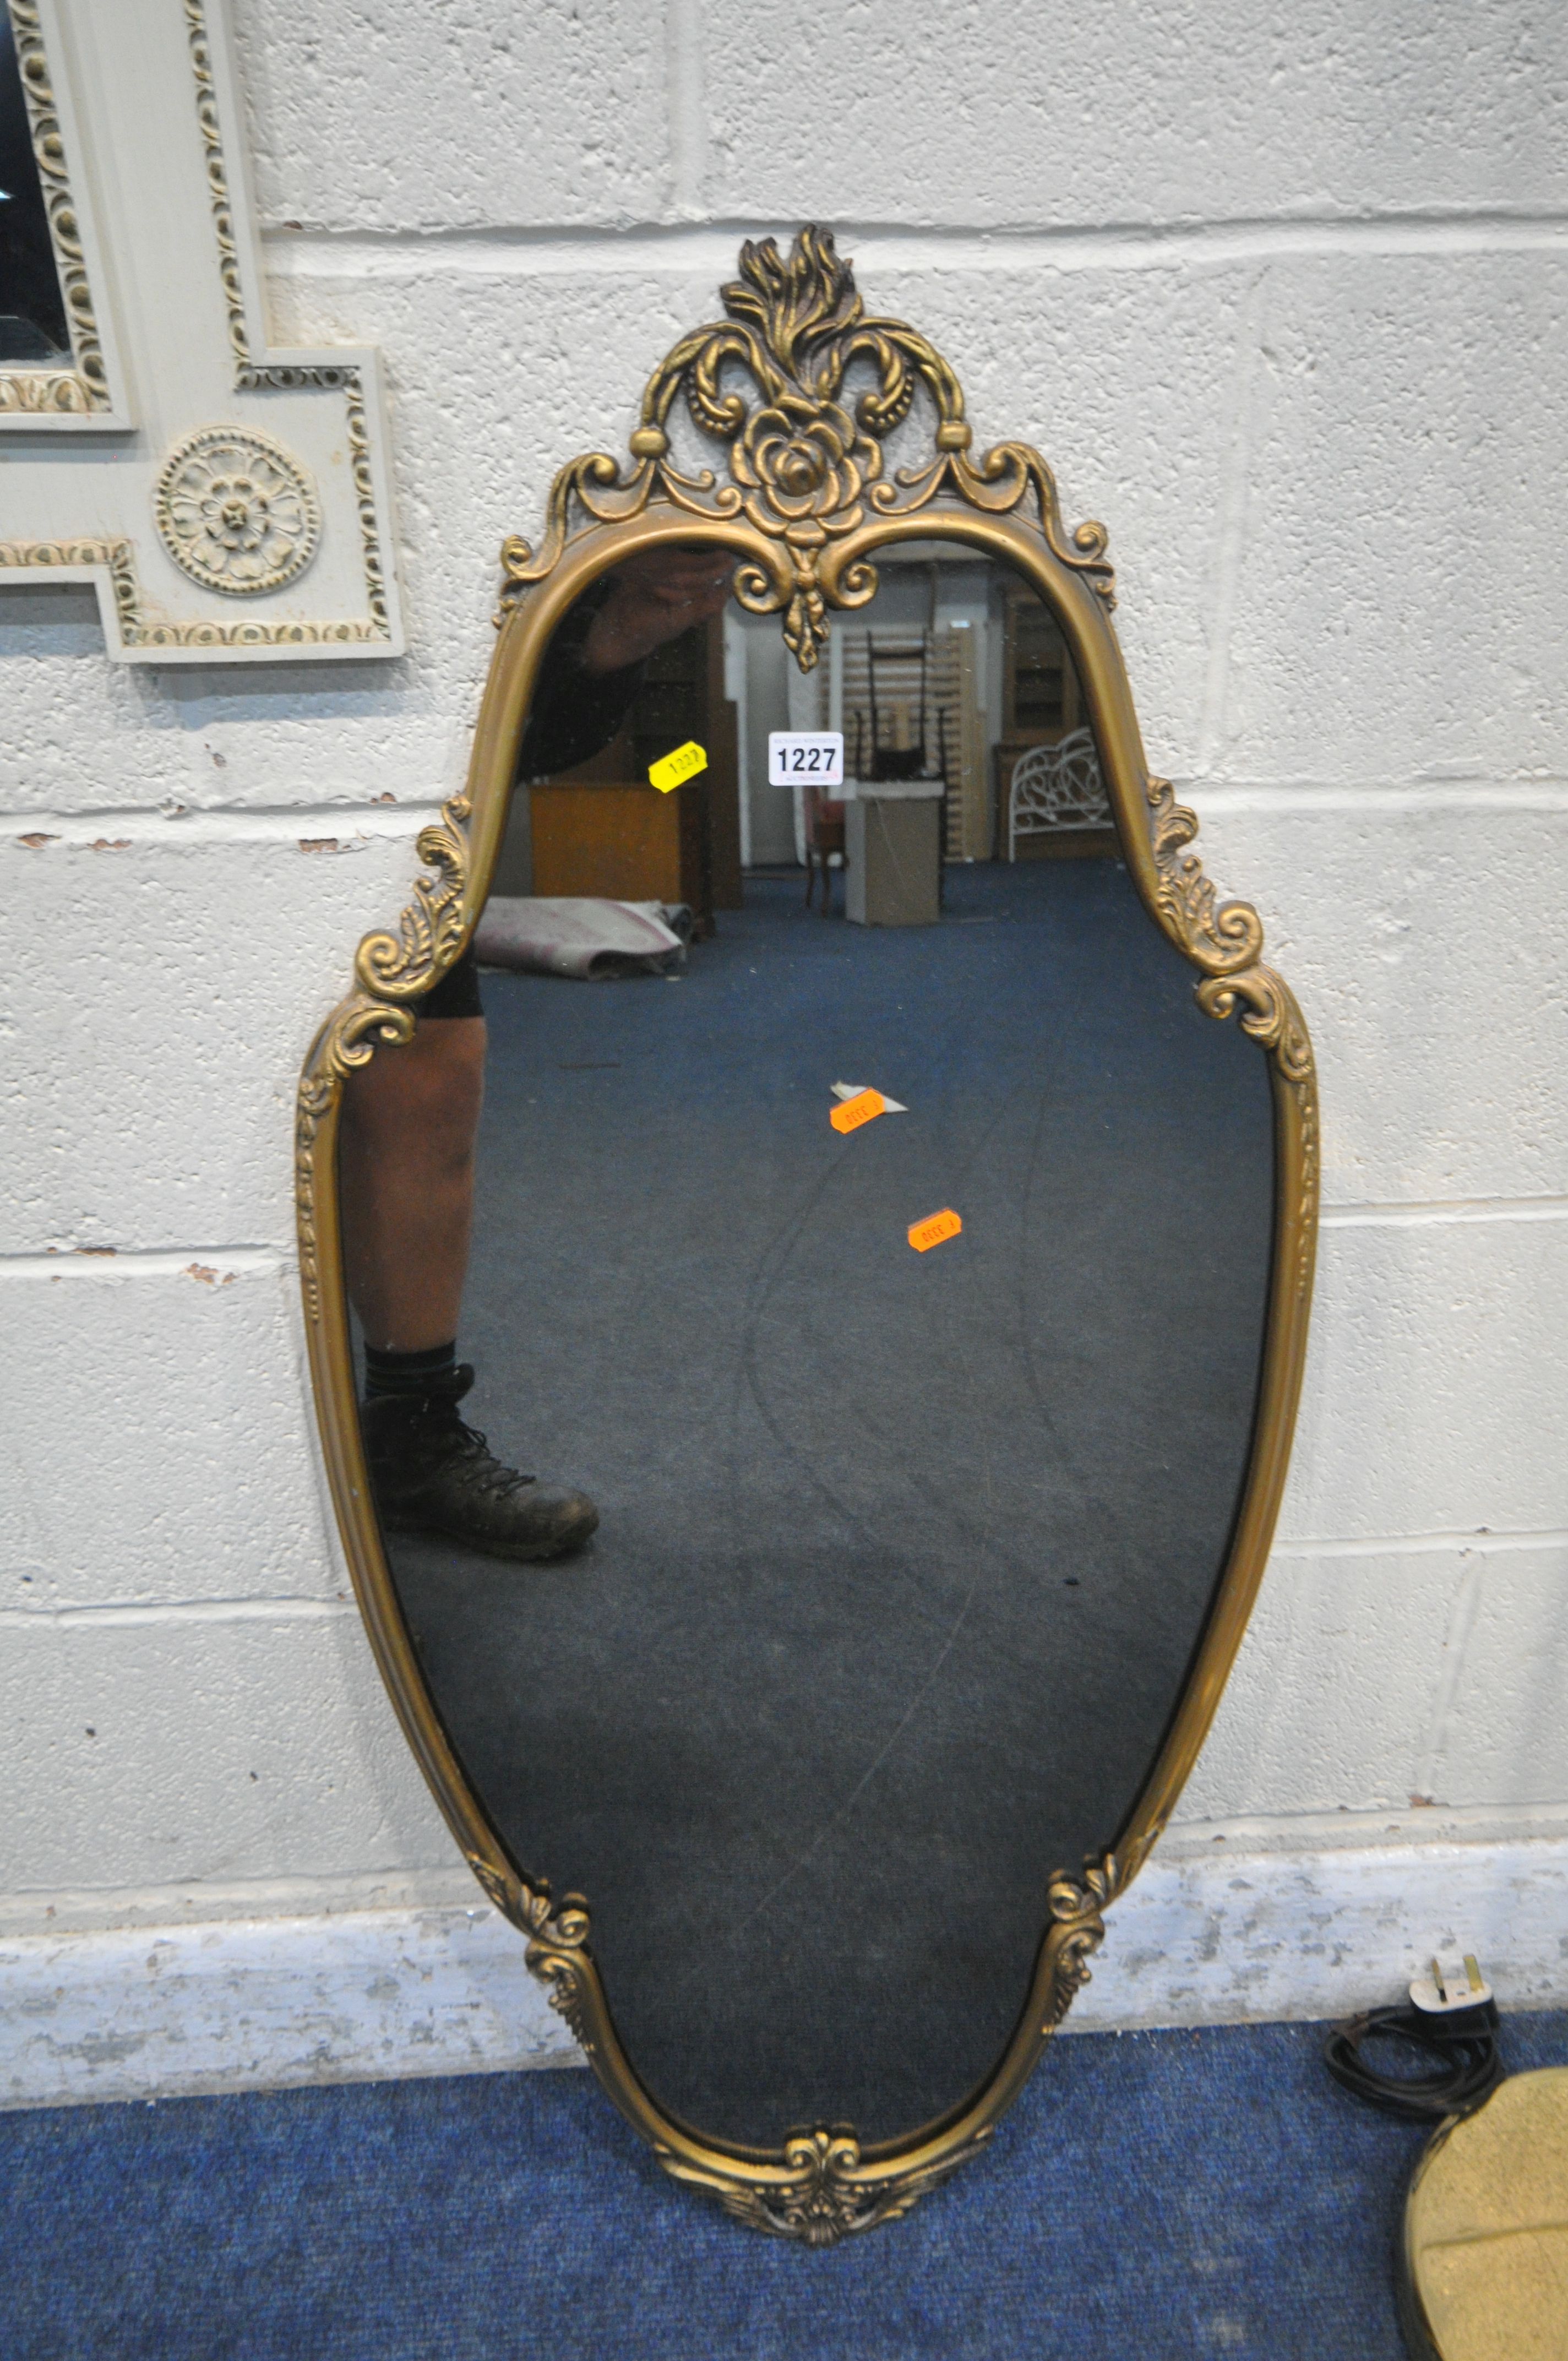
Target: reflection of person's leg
x,y
406,1176
409,1120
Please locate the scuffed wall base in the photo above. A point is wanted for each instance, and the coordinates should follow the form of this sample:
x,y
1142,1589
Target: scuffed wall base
x,y
1254,1938
176,2012
253,2004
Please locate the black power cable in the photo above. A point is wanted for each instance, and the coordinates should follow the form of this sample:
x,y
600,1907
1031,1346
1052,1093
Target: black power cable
x,y
1462,2043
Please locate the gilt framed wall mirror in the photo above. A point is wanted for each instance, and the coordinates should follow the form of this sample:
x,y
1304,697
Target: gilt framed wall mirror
x,y
882,1273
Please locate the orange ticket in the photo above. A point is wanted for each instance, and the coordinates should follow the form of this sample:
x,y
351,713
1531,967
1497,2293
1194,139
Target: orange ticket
x,y
864,1107
924,1235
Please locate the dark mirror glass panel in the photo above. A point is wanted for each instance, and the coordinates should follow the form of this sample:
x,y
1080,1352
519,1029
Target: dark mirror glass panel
x,y
914,1440
32,309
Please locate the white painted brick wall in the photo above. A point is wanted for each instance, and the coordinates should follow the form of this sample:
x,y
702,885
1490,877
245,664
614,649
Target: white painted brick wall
x,y
1281,297
1014,113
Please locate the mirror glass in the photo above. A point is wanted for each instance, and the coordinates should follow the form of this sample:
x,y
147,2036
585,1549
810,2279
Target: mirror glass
x,y
32,308
889,1462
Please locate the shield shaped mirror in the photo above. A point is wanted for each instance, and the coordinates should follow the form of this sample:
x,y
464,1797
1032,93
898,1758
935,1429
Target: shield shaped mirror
x,y
873,1180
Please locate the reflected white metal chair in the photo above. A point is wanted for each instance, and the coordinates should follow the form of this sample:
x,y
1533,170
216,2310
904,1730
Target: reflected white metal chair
x,y
1054,789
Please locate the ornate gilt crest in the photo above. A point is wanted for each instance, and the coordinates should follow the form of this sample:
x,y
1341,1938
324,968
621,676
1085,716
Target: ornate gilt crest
x,y
806,450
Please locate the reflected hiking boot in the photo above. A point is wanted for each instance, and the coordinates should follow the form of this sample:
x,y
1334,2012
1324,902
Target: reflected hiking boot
x,y
433,1474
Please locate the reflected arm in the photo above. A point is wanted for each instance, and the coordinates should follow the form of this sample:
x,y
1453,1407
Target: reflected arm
x,y
593,667
576,709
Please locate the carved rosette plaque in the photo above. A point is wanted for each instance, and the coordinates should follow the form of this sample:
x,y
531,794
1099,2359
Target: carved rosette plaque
x,y
236,511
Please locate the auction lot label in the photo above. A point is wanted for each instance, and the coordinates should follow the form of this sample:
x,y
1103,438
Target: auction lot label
x,y
806,758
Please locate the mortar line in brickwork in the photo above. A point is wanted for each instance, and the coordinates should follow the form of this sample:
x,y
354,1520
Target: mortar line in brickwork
x,y
209,1265
1360,1827
276,1900
1215,796
1444,1212
685,105
1444,1717
314,828
1229,552
559,249
1484,1540
117,1614
212,1265
352,828
127,1615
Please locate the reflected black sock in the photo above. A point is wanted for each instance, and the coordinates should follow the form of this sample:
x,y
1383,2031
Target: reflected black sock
x,y
412,1376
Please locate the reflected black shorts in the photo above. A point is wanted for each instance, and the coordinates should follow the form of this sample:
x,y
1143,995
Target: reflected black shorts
x,y
457,994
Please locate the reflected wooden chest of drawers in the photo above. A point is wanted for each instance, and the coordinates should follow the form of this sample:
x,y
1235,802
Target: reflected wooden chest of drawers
x,y
623,840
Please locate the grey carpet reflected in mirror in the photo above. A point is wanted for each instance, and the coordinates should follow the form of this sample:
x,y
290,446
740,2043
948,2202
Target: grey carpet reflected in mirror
x,y
903,1558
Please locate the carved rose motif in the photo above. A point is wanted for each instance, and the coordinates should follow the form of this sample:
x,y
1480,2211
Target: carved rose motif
x,y
236,511
800,464
238,514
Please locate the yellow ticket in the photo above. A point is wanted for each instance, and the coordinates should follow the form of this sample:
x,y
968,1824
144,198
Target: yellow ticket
x,y
674,770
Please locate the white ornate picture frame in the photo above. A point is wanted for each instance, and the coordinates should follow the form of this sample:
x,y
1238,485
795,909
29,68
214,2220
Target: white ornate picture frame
x,y
227,501
87,394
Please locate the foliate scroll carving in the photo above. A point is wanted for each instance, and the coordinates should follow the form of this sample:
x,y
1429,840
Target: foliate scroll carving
x,y
1222,937
1076,1931
562,1926
430,932
805,454
558,1956
1227,943
823,2191
1225,939
82,387
563,1973
392,971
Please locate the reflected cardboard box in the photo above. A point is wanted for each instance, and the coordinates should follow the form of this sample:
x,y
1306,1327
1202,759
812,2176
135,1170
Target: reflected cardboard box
x,y
892,852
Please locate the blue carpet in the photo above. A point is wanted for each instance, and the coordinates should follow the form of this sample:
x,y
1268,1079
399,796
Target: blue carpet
x,y
1178,2194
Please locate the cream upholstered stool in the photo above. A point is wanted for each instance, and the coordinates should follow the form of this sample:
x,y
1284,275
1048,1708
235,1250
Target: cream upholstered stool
x,y
1484,2267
